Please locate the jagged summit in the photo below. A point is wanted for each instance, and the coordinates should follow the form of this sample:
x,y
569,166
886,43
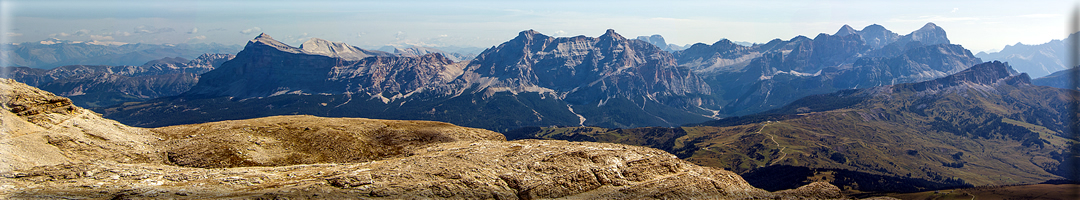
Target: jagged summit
x,y
845,30
612,34
655,39
529,34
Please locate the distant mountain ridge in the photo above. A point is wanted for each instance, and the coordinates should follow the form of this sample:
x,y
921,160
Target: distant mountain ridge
x,y
102,85
457,54
727,56
751,79
1037,60
1059,79
54,53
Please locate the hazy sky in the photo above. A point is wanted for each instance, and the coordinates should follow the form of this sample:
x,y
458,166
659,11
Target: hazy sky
x,y
977,25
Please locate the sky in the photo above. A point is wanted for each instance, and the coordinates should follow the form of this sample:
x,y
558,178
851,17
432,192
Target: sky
x,y
976,25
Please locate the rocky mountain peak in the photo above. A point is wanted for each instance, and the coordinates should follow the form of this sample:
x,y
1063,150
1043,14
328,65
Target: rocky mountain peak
x,y
845,30
725,44
612,34
316,44
929,26
655,40
267,41
528,35
333,49
877,36
874,28
929,34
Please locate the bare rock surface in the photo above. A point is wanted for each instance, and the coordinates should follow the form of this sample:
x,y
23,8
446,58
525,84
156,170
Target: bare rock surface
x,y
526,169
54,150
815,190
40,128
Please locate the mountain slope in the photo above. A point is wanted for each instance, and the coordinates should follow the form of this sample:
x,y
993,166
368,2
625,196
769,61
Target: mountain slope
x,y
1059,79
947,132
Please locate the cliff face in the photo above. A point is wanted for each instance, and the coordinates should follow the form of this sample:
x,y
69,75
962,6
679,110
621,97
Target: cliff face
x,y
585,70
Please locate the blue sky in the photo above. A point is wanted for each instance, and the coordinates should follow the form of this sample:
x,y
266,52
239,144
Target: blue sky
x,y
977,25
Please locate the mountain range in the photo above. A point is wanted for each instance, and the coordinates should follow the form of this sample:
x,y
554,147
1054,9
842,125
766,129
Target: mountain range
x,y
456,54
751,79
538,80
103,85
1037,60
986,125
532,80
52,53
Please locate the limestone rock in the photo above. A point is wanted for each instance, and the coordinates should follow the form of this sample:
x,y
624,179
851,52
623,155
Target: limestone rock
x,y
40,128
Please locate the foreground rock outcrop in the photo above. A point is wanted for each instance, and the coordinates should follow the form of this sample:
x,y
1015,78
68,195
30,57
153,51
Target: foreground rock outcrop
x,y
53,149
473,170
39,128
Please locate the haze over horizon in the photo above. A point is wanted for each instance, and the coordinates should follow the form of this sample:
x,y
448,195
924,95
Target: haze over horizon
x,y
977,25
